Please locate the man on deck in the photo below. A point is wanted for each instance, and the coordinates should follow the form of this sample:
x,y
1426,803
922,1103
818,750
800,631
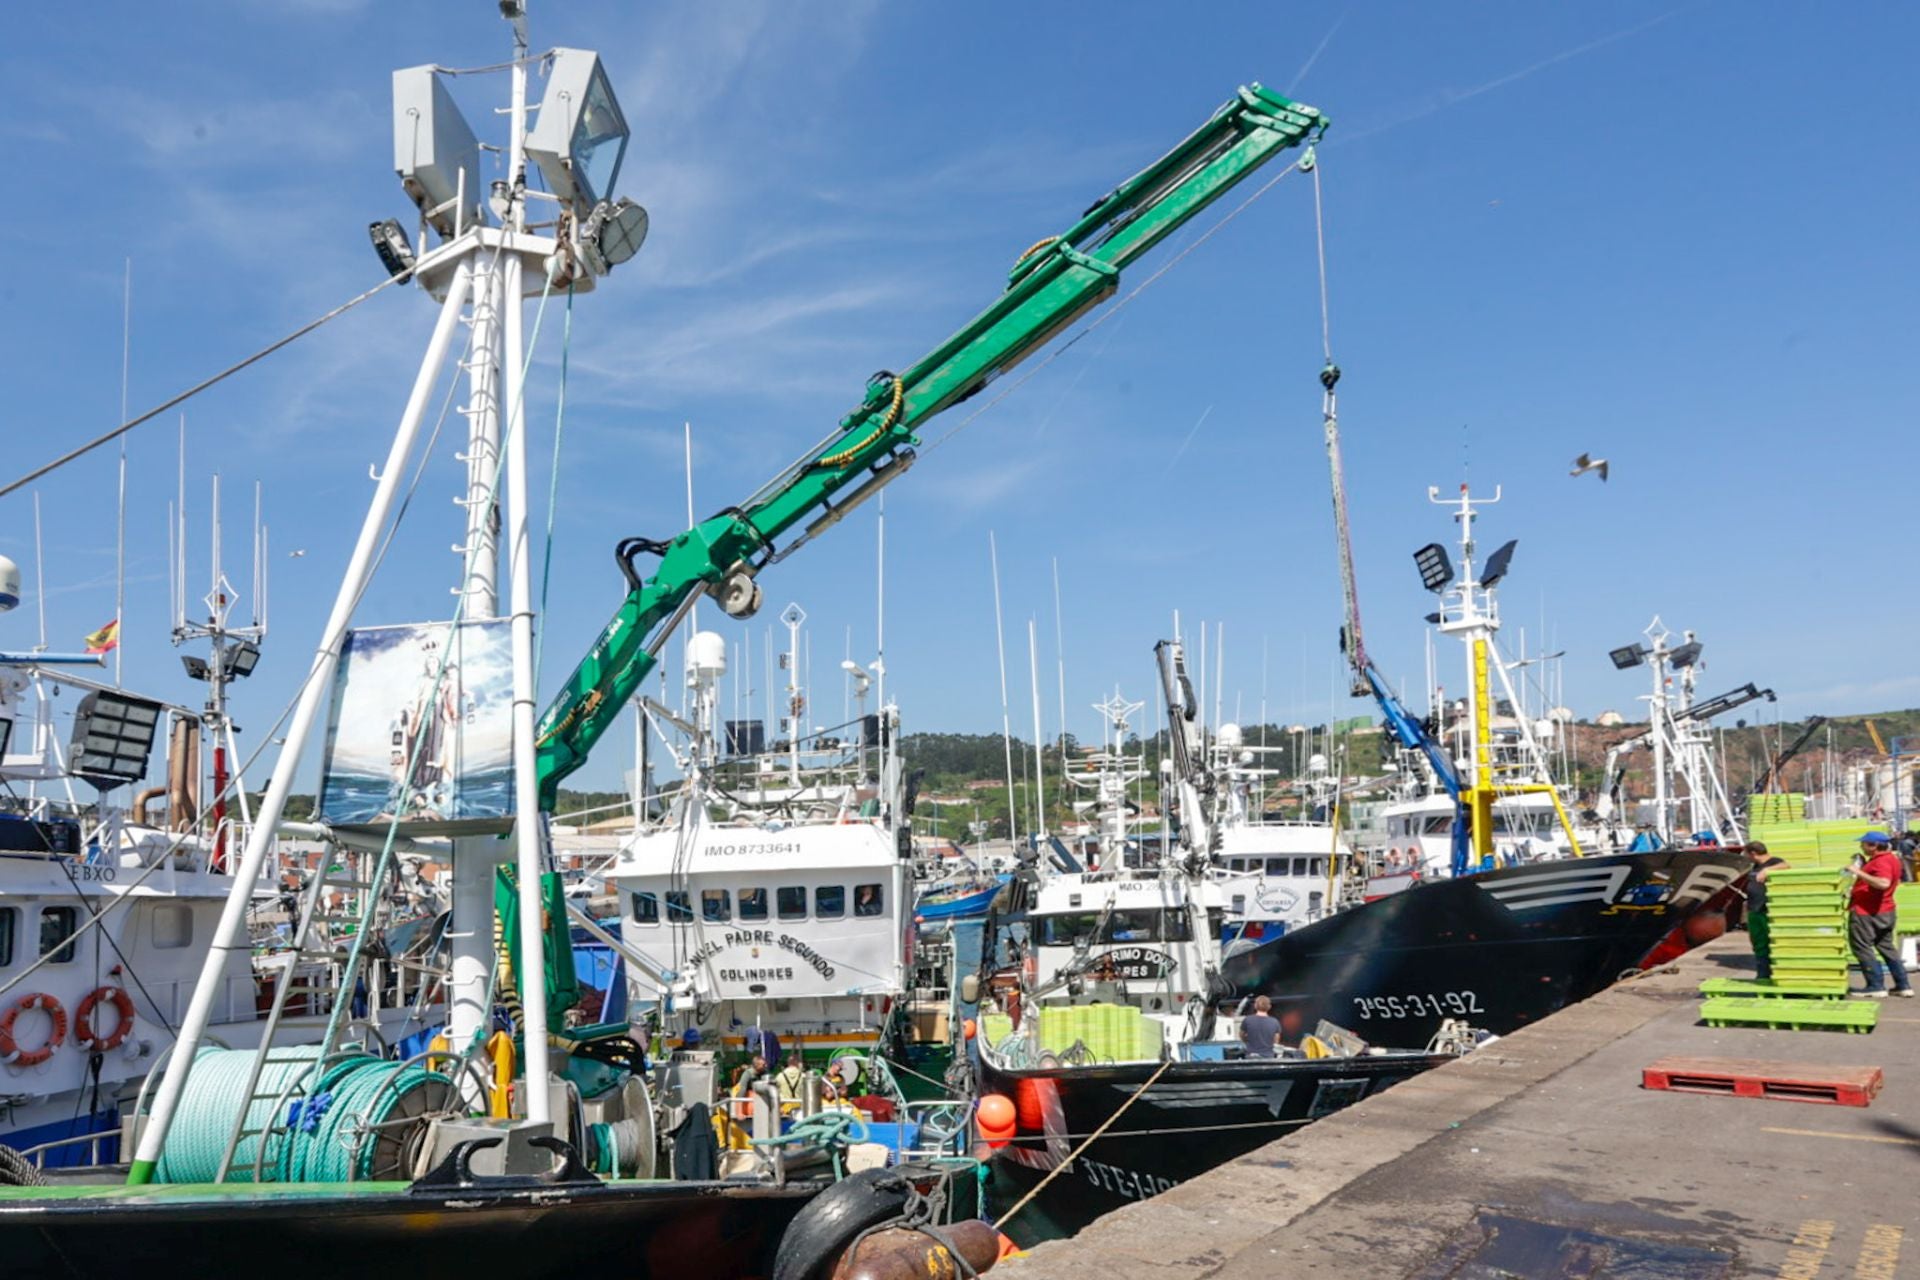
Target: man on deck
x,y
1870,919
1260,1029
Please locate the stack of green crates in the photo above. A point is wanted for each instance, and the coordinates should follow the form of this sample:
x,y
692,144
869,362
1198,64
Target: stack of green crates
x,y
1110,1032
1807,912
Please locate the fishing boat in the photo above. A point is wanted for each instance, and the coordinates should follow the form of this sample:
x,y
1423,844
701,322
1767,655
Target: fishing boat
x,y
1491,917
107,909
489,1139
769,906
1108,1055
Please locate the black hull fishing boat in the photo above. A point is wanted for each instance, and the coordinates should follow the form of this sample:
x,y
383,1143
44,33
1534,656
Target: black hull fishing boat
x,y
1109,1068
1499,950
654,1229
1191,1118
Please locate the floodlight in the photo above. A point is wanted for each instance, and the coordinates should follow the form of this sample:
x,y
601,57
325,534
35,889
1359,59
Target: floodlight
x,y
196,666
1436,571
581,136
240,658
1686,655
1628,656
112,737
1497,564
390,243
435,152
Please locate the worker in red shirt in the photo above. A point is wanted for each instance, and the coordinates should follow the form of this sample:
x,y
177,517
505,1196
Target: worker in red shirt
x,y
1875,872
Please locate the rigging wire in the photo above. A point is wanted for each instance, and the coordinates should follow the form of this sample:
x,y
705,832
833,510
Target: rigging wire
x,y
121,430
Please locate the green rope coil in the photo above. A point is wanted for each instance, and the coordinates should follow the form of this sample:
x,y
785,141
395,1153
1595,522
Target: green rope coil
x,y
314,1133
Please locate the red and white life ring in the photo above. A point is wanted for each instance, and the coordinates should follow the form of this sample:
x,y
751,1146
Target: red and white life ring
x,y
83,1033
10,1051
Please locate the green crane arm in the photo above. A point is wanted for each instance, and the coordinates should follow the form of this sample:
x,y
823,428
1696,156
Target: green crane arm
x,y
1051,285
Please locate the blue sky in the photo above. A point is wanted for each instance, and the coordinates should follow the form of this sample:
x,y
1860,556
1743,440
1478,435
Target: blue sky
x,y
1679,237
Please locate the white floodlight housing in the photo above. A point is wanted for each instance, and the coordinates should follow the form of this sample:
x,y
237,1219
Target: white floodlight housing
x,y
112,737
435,152
581,135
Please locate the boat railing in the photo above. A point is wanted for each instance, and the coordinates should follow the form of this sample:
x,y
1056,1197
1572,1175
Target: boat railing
x,y
97,1155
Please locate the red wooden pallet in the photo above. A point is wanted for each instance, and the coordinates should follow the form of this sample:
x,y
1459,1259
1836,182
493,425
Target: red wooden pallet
x,y
1751,1078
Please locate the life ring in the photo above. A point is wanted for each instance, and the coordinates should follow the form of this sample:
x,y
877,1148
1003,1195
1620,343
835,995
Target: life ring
x,y
10,1052
83,1033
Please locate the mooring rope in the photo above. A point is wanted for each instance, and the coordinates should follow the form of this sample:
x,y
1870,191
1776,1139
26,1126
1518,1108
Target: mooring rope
x,y
1064,1165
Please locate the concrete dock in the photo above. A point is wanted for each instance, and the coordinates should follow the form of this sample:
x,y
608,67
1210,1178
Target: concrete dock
x,y
1542,1156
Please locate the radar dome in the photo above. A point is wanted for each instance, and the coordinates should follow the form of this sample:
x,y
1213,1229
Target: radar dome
x,y
9,584
1230,735
1316,763
707,654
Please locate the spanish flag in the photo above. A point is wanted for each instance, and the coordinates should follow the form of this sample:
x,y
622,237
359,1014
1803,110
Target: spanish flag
x,y
106,639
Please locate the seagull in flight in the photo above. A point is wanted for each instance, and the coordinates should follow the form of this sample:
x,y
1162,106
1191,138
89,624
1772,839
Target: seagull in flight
x,y
295,555
1587,462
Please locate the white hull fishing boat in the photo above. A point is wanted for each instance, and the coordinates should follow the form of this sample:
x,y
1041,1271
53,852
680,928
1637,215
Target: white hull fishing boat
x,y
768,911
107,908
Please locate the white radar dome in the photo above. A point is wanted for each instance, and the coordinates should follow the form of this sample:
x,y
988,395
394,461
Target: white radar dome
x,y
1316,763
1230,735
9,584
707,654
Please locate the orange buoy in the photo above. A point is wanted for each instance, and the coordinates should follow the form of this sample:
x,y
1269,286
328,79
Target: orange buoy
x,y
996,1120
967,1028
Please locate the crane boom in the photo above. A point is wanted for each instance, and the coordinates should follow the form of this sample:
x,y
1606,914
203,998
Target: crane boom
x,y
1051,284
1793,749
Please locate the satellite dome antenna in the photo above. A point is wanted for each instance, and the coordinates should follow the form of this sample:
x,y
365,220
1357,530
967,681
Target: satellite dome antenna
x,y
9,584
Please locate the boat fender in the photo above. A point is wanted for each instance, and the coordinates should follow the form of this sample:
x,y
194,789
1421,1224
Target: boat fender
x,y
832,1221
83,1032
10,1052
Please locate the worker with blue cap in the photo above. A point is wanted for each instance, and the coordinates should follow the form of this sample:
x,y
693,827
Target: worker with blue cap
x,y
1870,917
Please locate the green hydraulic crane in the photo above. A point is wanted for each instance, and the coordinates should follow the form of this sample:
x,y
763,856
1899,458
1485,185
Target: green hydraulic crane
x,y
1051,284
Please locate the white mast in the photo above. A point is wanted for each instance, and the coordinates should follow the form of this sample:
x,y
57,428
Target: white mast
x,y
1006,722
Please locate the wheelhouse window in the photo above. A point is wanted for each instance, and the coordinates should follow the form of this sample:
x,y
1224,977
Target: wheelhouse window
x,y
1276,866
716,906
1145,925
678,912
753,904
172,926
792,901
57,927
9,918
830,902
867,900
646,908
